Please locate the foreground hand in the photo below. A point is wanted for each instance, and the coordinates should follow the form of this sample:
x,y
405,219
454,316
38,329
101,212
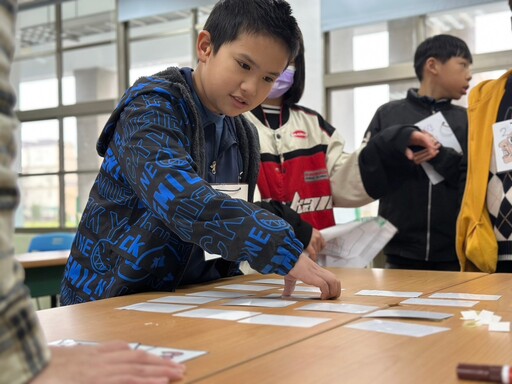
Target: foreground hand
x,y
311,273
425,140
316,244
108,363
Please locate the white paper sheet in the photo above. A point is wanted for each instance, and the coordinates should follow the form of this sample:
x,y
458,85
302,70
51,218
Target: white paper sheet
x,y
217,314
465,296
406,314
341,308
397,328
269,281
257,302
219,294
245,287
184,300
375,292
440,302
155,307
285,321
299,288
355,244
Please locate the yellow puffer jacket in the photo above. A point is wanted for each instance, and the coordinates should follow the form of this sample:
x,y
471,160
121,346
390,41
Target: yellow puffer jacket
x,y
477,247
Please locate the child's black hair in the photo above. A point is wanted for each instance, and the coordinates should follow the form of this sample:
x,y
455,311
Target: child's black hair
x,y
293,95
442,48
231,18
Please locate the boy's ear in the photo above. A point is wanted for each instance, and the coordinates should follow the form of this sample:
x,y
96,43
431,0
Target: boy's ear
x,y
431,65
204,45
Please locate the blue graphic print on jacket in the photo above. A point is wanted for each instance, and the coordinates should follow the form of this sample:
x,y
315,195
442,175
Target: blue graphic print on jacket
x,y
151,212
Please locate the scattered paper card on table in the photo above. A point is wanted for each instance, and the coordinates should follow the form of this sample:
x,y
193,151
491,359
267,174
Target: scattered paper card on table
x,y
397,328
177,355
245,287
155,307
440,302
464,296
304,296
257,302
217,314
219,294
299,288
406,314
285,321
483,317
269,281
184,299
373,292
342,308
503,326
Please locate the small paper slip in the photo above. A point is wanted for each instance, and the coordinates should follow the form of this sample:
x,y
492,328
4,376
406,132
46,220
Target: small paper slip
x,y
219,294
371,292
184,300
440,302
285,321
465,296
305,289
155,307
397,328
269,281
254,302
405,314
469,315
500,327
293,296
342,308
502,137
177,355
217,314
245,287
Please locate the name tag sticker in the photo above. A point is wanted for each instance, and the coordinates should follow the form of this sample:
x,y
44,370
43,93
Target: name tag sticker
x,y
503,145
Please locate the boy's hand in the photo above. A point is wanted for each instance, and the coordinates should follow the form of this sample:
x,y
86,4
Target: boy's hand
x,y
425,140
316,244
311,273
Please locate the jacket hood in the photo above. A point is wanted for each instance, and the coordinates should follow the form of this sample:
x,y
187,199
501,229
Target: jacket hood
x,y
162,83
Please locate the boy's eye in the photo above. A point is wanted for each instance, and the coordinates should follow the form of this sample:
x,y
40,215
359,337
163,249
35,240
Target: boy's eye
x,y
244,65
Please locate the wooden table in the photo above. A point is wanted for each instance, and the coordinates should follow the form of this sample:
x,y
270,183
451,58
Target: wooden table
x,y
43,272
249,353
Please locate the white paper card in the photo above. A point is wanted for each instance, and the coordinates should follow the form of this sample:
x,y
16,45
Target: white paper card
x,y
304,296
269,281
257,302
217,314
155,307
464,296
184,300
342,308
500,327
371,292
177,355
397,328
298,288
441,302
245,287
406,314
285,321
503,145
219,294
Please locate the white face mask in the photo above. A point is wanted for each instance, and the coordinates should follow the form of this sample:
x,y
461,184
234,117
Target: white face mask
x,y
283,83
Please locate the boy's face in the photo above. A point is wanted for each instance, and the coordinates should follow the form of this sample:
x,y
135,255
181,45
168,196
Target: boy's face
x,y
240,75
453,78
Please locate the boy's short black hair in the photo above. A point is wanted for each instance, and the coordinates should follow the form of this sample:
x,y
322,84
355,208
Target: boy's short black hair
x,y
231,18
442,48
293,95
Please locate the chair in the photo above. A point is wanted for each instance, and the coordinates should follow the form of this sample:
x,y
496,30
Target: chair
x,y
53,241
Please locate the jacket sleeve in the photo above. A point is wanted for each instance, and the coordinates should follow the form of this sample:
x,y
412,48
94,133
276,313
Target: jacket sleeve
x,y
382,161
301,228
153,154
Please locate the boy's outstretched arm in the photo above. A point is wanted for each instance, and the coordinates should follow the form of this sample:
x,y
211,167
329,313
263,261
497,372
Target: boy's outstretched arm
x,y
311,273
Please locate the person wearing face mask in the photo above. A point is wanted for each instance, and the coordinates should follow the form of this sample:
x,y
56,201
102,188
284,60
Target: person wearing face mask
x,y
303,163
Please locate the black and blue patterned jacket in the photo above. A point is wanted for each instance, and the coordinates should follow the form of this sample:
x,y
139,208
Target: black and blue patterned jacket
x,y
150,208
